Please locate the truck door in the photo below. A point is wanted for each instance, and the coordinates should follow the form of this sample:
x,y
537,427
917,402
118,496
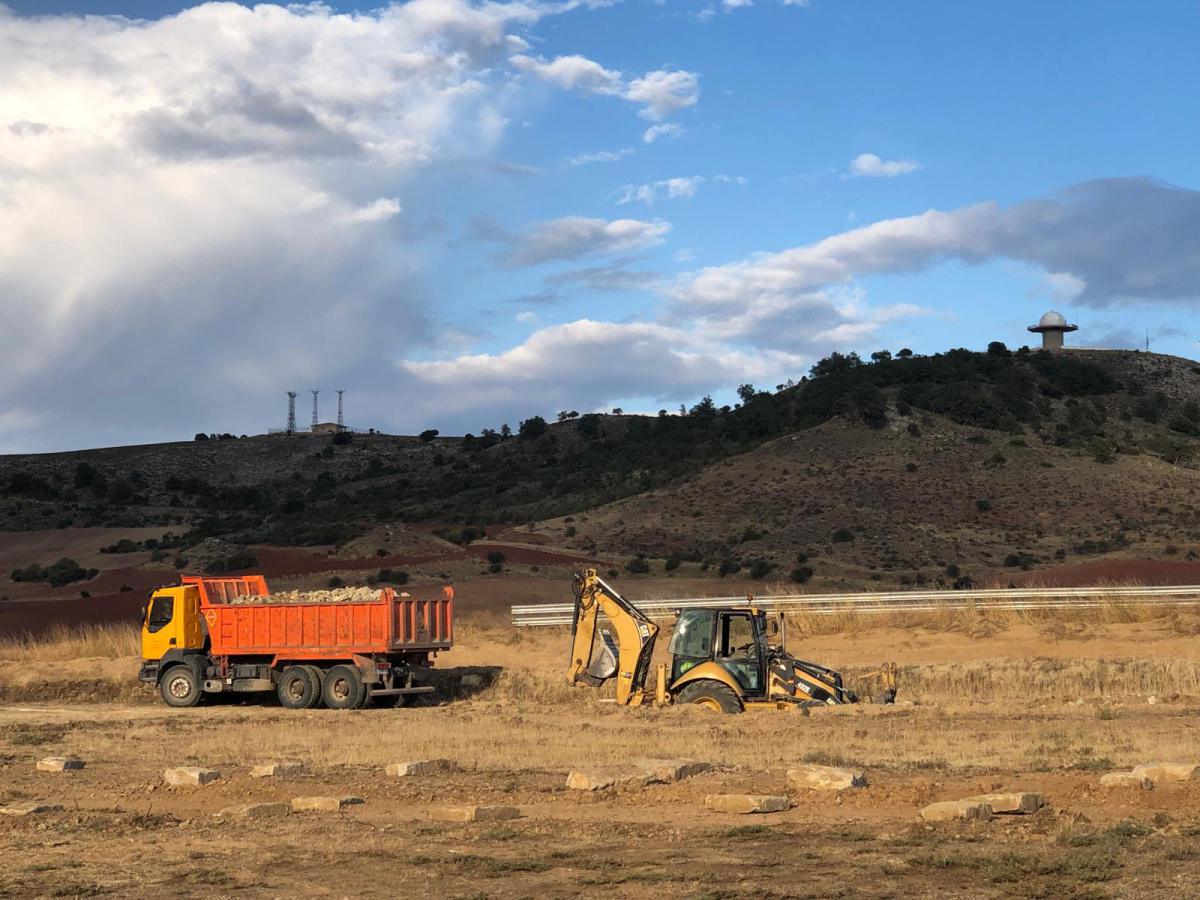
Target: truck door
x,y
159,631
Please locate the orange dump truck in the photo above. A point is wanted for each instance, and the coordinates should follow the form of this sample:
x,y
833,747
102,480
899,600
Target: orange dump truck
x,y
217,635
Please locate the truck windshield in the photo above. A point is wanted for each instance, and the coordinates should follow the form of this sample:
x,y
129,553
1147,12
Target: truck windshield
x,y
161,610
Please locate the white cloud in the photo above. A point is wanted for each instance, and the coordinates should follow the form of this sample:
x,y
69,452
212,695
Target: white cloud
x,y
869,165
586,365
527,317
377,211
648,193
660,93
736,4
1064,286
573,73
601,156
182,189
664,92
665,130
574,237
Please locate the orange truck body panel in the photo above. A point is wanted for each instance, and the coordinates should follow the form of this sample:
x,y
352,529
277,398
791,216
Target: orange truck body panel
x,y
389,625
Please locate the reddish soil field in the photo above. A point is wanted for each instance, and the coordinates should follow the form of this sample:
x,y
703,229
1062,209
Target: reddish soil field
x,y
1119,571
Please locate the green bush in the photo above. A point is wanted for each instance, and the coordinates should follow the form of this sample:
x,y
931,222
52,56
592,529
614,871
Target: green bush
x,y
801,574
842,536
392,576
759,569
983,505
637,566
58,574
672,563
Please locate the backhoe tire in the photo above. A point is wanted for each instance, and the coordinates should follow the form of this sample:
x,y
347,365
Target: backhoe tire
x,y
344,688
712,694
297,689
179,686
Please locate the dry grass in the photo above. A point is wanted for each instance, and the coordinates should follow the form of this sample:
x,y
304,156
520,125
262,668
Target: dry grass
x,y
111,641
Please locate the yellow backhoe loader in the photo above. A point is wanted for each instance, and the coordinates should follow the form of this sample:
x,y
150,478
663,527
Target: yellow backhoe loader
x,y
728,659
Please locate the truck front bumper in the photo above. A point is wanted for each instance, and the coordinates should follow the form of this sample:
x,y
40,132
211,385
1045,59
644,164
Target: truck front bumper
x,y
148,673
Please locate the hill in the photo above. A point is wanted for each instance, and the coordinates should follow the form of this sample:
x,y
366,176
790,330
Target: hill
x,y
918,465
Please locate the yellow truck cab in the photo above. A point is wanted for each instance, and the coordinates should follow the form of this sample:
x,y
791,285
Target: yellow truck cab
x,y
173,637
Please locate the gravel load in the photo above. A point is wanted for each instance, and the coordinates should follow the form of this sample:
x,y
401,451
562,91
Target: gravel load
x,y
336,595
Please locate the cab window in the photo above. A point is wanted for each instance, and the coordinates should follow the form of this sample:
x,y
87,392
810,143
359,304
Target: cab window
x,y
693,634
161,610
737,638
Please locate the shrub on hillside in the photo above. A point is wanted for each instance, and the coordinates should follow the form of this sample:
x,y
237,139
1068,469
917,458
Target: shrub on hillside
x,y
242,559
58,574
637,566
842,536
759,569
801,574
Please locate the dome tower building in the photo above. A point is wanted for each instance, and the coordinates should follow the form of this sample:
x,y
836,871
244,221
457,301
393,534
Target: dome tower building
x,y
1052,326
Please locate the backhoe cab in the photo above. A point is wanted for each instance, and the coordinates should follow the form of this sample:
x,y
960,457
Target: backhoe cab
x,y
724,658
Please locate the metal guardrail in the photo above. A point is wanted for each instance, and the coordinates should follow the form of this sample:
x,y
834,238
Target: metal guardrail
x,y
1016,599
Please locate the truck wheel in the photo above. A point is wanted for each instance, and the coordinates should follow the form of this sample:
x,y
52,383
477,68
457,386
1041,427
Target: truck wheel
x,y
179,686
318,681
711,694
344,688
296,688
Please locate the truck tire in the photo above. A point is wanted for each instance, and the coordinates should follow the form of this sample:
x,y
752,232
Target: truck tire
x,y
344,688
297,689
318,681
711,694
179,686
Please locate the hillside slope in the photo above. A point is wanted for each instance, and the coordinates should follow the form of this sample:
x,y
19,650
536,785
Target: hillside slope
x,y
923,500
1088,450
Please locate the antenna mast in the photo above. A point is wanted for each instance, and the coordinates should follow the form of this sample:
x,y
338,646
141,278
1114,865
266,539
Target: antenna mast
x,y
341,421
291,425
314,419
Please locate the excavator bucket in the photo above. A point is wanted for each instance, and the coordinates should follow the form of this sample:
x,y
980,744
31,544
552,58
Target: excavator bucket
x,y
604,663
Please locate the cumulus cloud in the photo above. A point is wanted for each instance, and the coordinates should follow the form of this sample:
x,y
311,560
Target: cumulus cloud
x,y
220,187
571,238
1105,242
584,365
869,165
682,186
660,93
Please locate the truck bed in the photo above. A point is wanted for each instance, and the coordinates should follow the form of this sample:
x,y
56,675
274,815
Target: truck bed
x,y
390,624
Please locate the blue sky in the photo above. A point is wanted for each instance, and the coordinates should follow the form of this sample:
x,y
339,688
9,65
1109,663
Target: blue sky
x,y
457,212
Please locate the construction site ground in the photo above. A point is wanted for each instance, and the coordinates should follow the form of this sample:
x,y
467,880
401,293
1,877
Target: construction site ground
x,y
986,705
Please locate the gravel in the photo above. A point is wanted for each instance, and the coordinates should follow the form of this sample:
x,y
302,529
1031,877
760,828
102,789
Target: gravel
x,y
336,595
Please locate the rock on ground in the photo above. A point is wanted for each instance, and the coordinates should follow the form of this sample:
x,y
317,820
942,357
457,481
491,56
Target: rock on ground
x,y
30,808
825,778
274,769
473,813
59,764
646,770
744,804
256,811
957,811
1126,779
597,778
190,775
668,770
1168,771
1018,803
323,804
421,767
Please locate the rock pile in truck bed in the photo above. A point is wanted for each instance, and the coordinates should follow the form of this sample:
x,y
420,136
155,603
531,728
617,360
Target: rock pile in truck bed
x,y
336,595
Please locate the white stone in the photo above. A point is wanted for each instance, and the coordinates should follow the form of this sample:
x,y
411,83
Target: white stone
x,y
190,775
421,767
30,808
1168,771
59,764
956,811
825,778
1018,802
275,769
746,804
1126,780
597,778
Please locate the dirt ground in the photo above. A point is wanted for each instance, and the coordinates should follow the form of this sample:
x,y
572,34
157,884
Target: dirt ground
x,y
1027,706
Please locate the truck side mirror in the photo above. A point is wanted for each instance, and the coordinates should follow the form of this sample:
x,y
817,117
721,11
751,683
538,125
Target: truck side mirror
x,y
773,627
143,613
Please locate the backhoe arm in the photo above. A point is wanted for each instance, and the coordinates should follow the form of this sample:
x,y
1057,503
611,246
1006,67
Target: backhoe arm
x,y
629,660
